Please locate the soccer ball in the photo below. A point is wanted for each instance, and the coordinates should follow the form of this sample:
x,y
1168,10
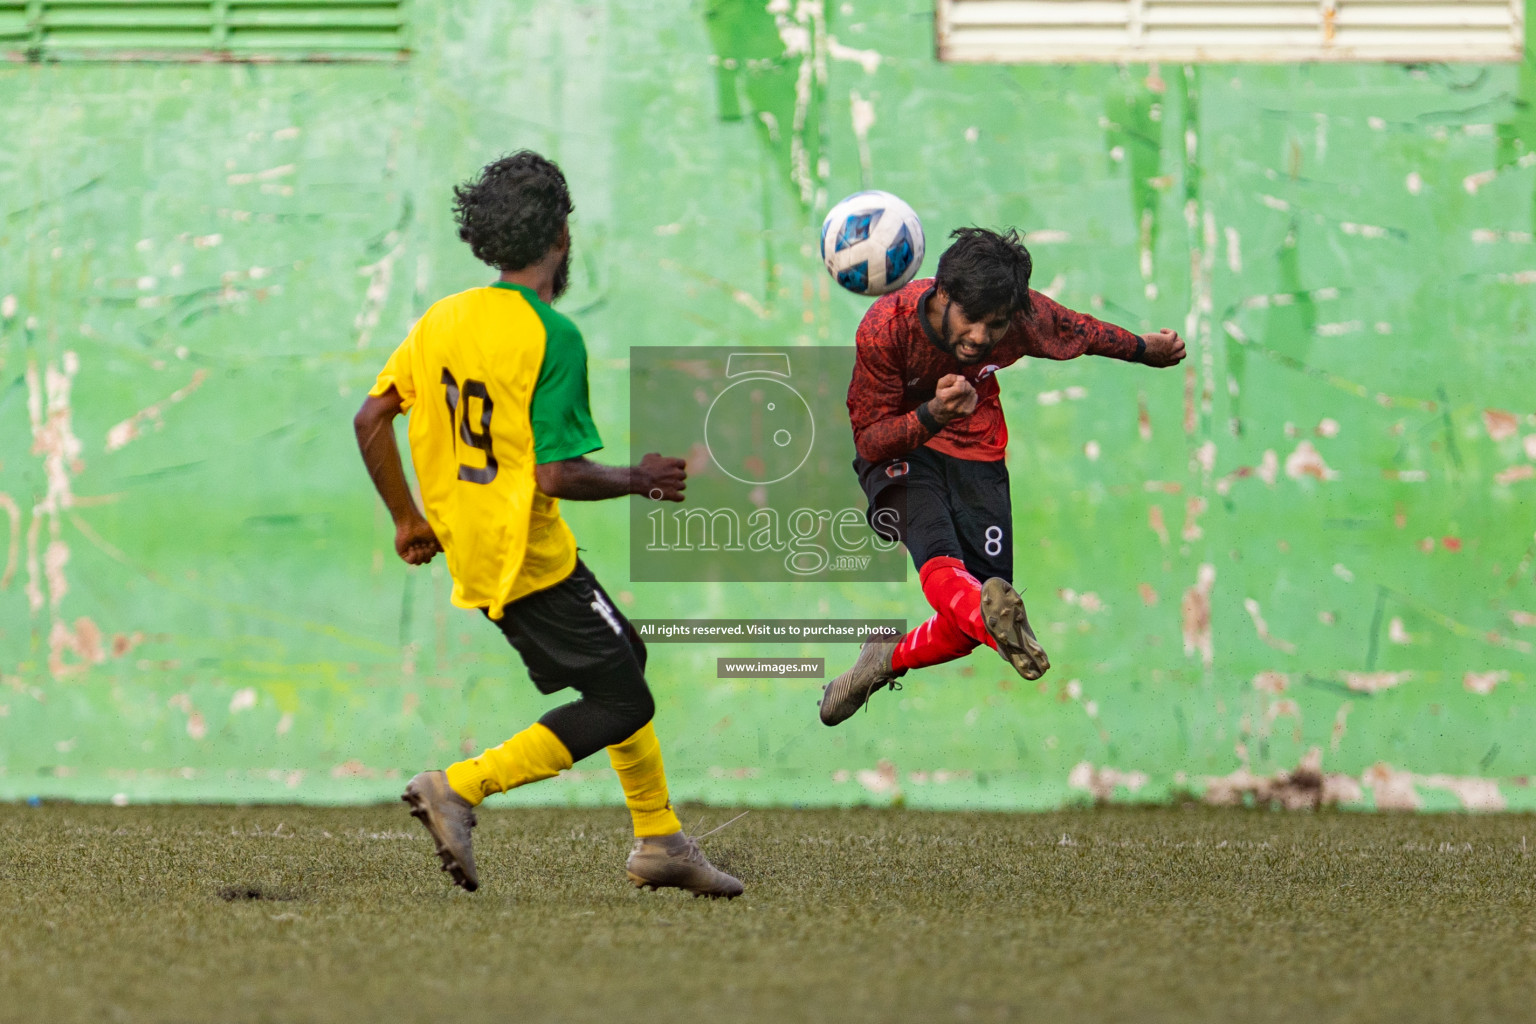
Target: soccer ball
x,y
872,243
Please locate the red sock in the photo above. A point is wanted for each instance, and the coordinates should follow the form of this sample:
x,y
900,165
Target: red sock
x,y
933,643
956,596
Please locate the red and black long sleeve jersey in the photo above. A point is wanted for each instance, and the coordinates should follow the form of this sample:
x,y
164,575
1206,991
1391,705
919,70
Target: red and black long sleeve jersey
x,y
899,361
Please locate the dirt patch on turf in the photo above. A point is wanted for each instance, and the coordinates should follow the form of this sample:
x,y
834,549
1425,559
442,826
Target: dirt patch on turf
x,y
241,893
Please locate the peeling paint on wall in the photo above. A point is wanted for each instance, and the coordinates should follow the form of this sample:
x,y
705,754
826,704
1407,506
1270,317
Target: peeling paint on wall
x,y
1314,536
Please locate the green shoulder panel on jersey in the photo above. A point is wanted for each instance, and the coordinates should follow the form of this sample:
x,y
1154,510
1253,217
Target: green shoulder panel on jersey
x,y
561,413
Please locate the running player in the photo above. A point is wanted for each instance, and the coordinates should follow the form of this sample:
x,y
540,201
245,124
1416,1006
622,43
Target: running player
x,y
929,431
496,384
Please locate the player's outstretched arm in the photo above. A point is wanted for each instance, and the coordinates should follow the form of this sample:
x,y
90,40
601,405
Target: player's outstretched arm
x,y
375,427
581,479
1062,333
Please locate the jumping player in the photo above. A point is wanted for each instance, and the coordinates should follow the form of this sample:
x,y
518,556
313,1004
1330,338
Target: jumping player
x,y
496,384
929,431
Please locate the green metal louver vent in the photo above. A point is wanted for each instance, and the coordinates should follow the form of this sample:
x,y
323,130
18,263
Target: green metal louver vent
x,y
44,30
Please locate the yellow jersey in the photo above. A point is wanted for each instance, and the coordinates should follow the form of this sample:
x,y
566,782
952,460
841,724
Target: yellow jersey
x,y
496,383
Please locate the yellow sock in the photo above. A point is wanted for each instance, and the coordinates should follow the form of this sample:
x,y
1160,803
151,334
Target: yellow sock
x,y
638,762
533,754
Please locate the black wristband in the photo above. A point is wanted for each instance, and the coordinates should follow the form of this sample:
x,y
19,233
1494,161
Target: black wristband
x,y
1141,349
928,420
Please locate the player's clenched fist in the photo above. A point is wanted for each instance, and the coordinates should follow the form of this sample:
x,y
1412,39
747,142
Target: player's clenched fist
x,y
415,542
954,398
659,477
1164,348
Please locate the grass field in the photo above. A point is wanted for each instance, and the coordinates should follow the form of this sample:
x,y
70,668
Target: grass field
x,y
306,914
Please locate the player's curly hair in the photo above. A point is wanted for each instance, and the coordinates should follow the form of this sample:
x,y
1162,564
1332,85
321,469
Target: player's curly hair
x,y
986,272
513,212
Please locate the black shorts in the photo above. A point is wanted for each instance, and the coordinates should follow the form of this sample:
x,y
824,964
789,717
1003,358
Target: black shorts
x,y
571,634
941,506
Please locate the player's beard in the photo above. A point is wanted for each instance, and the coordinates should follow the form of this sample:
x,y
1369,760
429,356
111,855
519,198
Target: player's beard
x,y
562,276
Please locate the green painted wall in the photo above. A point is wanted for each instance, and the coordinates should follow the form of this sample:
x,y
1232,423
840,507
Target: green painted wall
x,y
1320,535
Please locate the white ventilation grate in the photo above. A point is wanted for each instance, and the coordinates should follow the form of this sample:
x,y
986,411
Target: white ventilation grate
x,y
1061,31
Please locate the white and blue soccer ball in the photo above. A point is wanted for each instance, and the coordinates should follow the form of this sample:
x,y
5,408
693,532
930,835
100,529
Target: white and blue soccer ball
x,y
872,243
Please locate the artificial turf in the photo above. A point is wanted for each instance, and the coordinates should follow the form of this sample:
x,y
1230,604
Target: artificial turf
x,y
1182,914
